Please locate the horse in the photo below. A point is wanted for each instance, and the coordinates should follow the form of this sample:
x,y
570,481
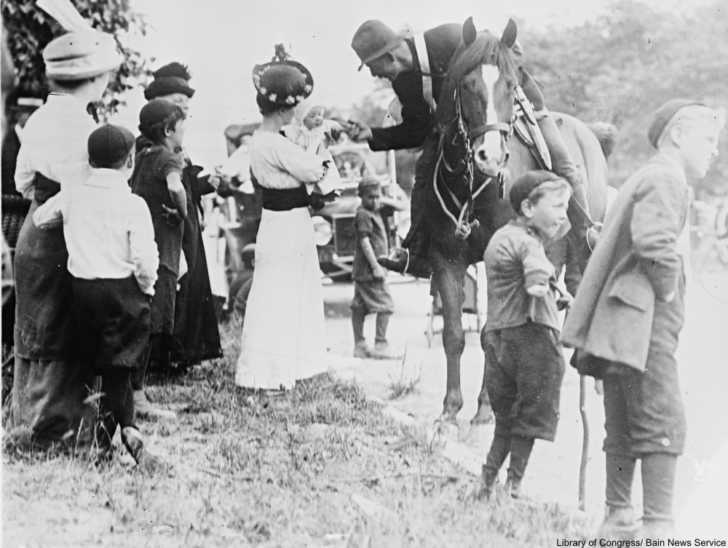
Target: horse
x,y
478,156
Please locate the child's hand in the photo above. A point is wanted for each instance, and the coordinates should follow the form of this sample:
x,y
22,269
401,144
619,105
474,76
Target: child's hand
x,y
378,273
171,215
564,300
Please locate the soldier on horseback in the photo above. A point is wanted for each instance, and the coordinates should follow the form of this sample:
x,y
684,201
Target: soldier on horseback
x,y
417,66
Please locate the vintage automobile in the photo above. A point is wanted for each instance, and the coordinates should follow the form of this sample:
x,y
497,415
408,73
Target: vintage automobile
x,y
334,224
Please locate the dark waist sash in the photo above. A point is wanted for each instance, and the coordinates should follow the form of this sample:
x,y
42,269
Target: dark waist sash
x,y
276,199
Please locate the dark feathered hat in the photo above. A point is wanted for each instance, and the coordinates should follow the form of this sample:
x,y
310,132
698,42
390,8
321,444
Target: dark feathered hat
x,y
174,69
282,81
171,78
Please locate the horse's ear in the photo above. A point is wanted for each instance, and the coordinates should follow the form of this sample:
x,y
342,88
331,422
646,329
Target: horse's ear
x,y
510,33
469,31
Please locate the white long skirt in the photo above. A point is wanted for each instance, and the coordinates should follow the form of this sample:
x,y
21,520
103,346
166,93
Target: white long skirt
x,y
283,333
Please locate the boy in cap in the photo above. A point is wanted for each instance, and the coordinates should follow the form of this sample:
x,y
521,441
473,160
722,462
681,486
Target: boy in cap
x,y
112,258
371,294
629,311
158,179
523,362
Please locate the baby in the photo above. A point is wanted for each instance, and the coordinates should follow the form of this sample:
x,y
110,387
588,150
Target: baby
x,y
315,133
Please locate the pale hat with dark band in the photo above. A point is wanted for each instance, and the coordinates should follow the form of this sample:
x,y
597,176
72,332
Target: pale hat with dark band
x,y
81,54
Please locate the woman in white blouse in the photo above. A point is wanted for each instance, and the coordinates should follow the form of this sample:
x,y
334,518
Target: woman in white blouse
x,y
283,333
50,384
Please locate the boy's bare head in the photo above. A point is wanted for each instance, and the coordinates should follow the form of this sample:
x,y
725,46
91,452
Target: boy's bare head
x,y
370,192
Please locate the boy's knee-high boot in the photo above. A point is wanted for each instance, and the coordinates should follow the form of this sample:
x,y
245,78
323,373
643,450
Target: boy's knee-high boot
x,y
520,453
619,521
658,482
499,449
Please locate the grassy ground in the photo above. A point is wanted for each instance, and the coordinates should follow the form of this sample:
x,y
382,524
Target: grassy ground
x,y
320,466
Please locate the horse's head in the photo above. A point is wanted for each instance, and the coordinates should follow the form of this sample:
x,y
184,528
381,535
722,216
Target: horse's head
x,y
478,96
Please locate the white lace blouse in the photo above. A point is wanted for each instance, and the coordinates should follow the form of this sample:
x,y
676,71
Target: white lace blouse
x,y
278,163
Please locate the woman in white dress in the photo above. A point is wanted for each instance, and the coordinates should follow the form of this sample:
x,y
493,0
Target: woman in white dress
x,y
283,333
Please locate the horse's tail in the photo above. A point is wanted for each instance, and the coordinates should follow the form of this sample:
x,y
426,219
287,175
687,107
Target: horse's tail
x,y
606,134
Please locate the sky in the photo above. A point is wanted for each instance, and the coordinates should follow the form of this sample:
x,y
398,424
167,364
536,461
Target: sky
x,y
221,40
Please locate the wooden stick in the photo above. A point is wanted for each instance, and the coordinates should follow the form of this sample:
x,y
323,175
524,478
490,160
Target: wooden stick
x,y
584,442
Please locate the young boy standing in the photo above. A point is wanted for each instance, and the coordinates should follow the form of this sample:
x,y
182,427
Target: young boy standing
x,y
158,179
371,294
113,260
629,311
523,362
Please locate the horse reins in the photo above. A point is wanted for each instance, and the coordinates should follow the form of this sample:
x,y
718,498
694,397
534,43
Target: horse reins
x,y
462,229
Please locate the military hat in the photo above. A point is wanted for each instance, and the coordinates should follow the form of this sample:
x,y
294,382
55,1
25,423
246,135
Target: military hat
x,y
282,81
662,116
373,39
81,54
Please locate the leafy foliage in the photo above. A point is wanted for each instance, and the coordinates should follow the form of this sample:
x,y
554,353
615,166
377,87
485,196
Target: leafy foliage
x,y
619,68
30,29
622,66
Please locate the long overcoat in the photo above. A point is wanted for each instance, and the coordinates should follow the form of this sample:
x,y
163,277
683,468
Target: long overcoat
x,y
635,262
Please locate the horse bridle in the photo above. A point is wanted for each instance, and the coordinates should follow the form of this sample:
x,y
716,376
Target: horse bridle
x,y
463,228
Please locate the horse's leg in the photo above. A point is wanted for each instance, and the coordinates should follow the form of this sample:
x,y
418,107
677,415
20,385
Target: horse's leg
x,y
449,280
484,414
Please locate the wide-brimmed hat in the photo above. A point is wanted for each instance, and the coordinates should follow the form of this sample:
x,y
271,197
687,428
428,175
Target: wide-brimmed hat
x,y
81,54
373,39
283,81
167,85
171,78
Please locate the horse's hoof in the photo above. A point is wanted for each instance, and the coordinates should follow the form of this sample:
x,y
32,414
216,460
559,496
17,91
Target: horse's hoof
x,y
477,436
483,416
446,428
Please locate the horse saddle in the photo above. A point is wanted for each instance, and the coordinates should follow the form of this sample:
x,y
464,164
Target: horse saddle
x,y
526,129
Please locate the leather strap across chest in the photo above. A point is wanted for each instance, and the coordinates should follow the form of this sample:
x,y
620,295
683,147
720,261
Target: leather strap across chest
x,y
424,62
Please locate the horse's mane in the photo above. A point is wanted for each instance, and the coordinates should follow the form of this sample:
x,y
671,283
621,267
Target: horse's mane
x,y
486,49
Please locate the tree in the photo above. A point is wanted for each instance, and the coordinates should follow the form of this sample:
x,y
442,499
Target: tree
x,y
620,67
30,29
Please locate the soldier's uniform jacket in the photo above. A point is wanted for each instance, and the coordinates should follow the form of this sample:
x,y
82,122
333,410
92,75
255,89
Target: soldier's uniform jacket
x,y
635,266
417,116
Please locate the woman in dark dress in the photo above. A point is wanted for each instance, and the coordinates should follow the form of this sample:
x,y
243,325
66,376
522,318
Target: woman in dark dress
x,y
196,336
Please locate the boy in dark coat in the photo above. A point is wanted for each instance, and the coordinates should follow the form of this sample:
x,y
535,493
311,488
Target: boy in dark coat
x,y
113,259
523,361
629,311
